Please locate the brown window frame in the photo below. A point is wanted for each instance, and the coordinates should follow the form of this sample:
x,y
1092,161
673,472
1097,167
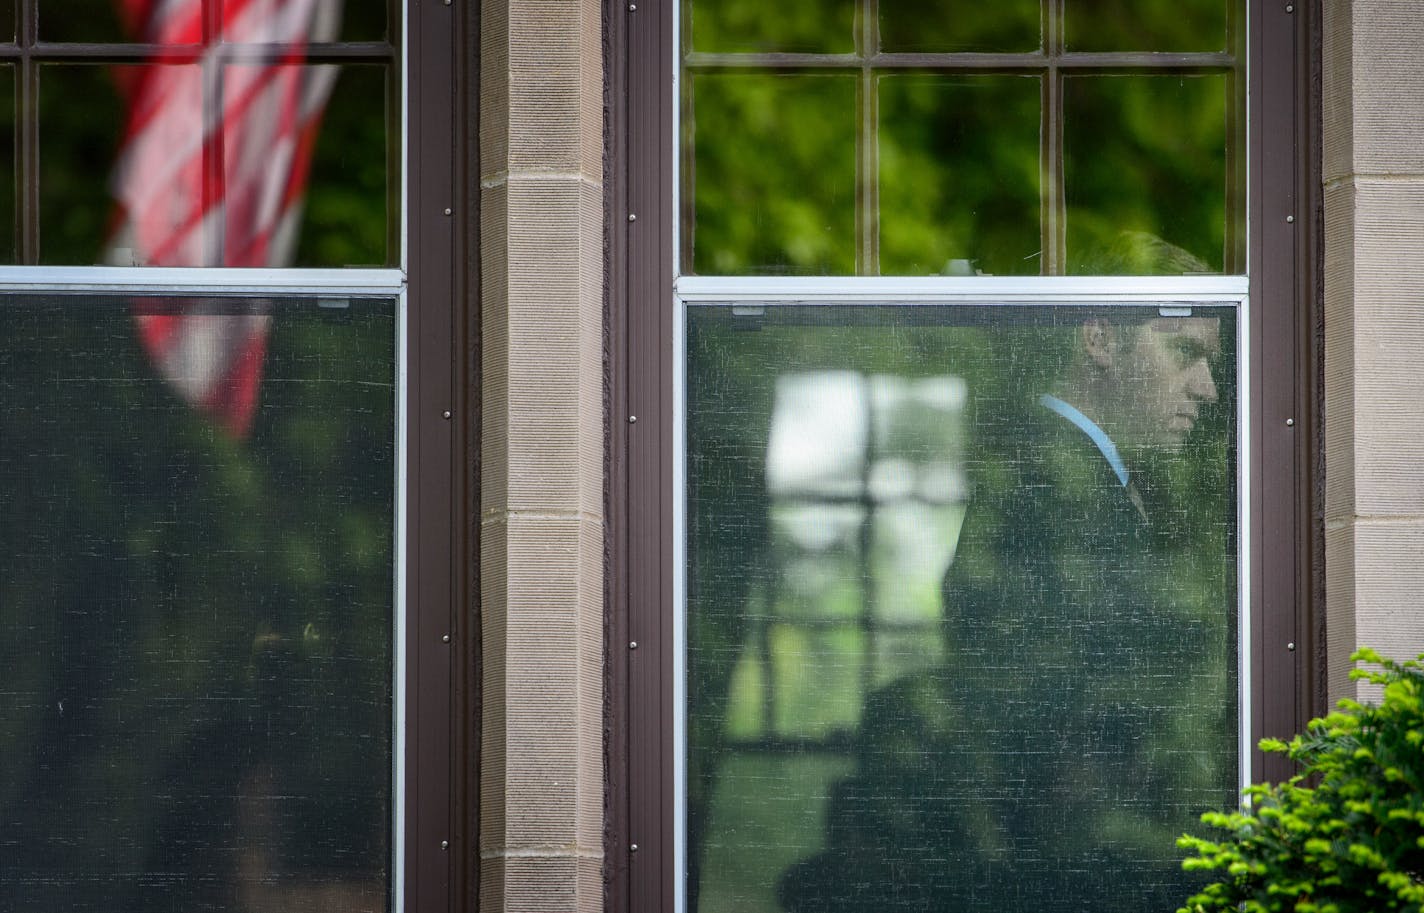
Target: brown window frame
x,y
1284,361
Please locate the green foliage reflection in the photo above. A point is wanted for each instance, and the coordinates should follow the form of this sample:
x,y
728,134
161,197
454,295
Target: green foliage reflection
x,y
773,174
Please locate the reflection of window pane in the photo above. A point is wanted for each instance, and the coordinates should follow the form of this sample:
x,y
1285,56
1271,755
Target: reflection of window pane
x,y
81,113
195,629
1145,174
927,25
344,214
96,21
818,677
100,20
281,203
959,175
359,20
1146,25
741,26
1021,683
773,175
775,803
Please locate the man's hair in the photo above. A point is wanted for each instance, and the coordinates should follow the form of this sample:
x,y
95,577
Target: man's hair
x,y
1140,253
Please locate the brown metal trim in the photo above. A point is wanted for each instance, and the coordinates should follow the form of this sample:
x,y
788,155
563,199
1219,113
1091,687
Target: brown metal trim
x,y
437,635
640,172
1282,423
467,667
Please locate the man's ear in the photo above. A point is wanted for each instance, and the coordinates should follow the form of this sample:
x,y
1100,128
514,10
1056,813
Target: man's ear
x,y
1099,341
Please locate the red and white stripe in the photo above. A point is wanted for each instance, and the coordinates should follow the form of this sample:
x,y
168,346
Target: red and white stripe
x,y
214,165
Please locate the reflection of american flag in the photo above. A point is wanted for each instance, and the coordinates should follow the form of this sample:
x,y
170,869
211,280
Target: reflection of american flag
x,y
213,168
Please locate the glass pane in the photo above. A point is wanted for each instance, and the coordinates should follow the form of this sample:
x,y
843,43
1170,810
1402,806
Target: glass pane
x,y
1145,174
1147,25
8,21
753,26
82,118
365,20
332,20
181,22
196,604
959,175
345,216
772,174
127,178
932,26
961,605
110,22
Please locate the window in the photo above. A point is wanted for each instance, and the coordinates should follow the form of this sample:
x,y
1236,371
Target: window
x,y
945,554
227,594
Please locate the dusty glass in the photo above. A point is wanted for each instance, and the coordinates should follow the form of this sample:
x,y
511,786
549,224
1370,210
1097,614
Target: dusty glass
x,y
186,21
770,173
961,604
754,26
958,160
125,190
1145,166
935,27
197,577
1147,25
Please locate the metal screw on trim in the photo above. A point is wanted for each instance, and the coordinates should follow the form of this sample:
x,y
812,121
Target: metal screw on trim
x,y
1290,218
632,7
445,639
447,210
632,419
1291,646
633,848
632,645
444,844
632,217
1290,423
445,414
1289,8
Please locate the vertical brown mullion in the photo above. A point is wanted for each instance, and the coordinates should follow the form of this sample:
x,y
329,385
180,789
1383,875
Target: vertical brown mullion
x,y
1234,255
1051,192
867,157
27,196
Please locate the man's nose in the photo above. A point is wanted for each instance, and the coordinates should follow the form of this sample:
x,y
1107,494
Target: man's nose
x,y
1200,386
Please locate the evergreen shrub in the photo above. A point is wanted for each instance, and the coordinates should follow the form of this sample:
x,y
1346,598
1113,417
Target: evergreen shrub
x,y
1345,835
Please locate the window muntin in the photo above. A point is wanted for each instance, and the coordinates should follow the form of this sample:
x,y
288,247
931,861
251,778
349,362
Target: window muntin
x,y
768,192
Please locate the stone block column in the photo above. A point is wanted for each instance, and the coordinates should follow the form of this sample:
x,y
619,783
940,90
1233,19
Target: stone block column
x,y
1374,315
541,520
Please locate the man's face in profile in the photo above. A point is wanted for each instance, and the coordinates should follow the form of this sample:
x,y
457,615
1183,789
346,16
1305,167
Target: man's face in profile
x,y
1162,369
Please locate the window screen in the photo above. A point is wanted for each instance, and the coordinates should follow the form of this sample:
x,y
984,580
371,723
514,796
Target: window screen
x,y
196,626
961,603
